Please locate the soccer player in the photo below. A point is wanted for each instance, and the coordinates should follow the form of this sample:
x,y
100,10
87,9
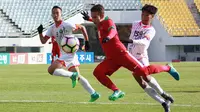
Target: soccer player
x,y
67,60
55,50
117,55
141,35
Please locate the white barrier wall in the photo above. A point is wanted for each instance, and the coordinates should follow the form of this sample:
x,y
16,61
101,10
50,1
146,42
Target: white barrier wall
x,y
158,51
37,58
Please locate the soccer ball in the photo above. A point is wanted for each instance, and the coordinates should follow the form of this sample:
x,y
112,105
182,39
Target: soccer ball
x,y
70,44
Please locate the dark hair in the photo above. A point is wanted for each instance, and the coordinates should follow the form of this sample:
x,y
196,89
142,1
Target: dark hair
x,y
54,7
150,9
98,8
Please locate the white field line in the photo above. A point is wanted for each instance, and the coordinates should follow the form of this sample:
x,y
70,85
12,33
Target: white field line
x,y
100,103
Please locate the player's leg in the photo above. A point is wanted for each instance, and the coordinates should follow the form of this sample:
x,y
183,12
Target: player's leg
x,y
131,63
147,88
154,84
138,68
74,67
153,69
86,85
108,67
56,68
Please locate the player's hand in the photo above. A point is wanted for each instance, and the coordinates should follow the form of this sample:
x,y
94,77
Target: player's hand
x,y
85,15
105,40
87,45
40,29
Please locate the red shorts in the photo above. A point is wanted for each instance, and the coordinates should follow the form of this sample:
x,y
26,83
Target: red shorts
x,y
126,60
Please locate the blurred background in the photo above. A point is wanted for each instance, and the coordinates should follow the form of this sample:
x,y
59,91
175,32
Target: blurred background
x,y
176,24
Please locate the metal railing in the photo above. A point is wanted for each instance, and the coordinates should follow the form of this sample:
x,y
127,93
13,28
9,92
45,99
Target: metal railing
x,y
70,13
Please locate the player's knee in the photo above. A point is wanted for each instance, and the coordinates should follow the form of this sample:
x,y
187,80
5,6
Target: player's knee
x,y
143,84
97,72
147,78
140,71
140,81
50,70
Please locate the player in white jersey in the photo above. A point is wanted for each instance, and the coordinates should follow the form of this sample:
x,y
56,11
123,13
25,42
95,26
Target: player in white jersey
x,y
142,33
67,60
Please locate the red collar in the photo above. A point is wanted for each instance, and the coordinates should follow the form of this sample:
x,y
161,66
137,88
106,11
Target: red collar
x,y
144,26
60,22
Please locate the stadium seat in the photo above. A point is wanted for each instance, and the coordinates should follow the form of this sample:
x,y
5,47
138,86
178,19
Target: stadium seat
x,y
176,16
197,3
28,14
119,4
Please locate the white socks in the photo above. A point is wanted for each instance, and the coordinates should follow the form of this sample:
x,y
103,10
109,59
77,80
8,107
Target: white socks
x,y
151,92
61,72
154,84
86,85
83,81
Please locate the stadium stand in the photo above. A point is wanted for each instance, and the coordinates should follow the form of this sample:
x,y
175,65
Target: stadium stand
x,y
119,4
26,15
197,3
176,17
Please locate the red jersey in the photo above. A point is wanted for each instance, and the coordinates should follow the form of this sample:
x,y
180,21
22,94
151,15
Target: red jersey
x,y
114,46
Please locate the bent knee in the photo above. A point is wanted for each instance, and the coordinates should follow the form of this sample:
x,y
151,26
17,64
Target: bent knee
x,y
141,71
143,84
97,72
50,71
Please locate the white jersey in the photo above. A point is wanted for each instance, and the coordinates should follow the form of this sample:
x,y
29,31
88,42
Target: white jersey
x,y
141,35
64,29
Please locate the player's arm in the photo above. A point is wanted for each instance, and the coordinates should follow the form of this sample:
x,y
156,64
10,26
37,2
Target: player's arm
x,y
127,41
43,38
112,31
84,32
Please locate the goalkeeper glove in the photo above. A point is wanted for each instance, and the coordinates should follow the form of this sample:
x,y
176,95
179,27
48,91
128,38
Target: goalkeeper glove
x,y
105,40
87,45
85,15
40,29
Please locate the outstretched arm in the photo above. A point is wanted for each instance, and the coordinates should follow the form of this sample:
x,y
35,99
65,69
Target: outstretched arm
x,y
127,41
86,16
43,39
84,32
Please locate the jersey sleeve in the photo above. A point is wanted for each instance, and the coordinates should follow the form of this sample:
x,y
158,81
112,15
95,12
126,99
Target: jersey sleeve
x,y
72,25
150,34
111,28
49,33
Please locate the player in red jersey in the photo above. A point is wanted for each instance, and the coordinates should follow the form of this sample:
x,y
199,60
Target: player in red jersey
x,y
55,50
117,55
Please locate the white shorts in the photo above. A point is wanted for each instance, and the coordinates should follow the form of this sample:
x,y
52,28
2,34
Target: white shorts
x,y
69,60
144,61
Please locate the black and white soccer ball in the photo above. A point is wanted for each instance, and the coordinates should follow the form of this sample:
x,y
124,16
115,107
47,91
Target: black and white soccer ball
x,y
70,44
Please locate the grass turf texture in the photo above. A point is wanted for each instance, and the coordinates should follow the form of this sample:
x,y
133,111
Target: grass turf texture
x,y
29,88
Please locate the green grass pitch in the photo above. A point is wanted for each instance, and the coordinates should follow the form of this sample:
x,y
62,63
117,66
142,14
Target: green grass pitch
x,y
29,88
